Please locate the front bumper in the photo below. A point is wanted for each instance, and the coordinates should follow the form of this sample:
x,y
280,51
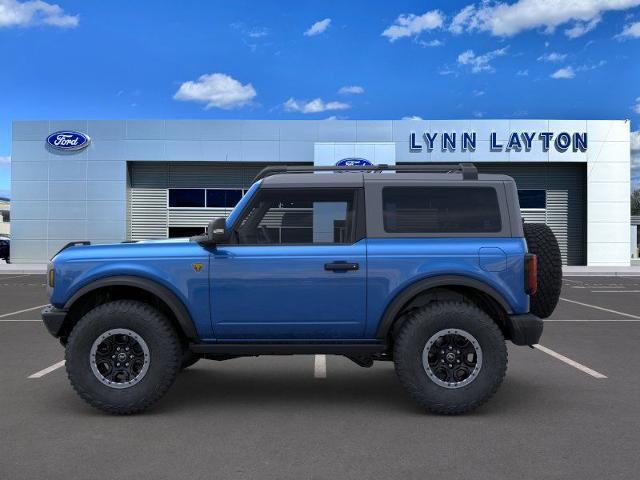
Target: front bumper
x,y
525,329
53,319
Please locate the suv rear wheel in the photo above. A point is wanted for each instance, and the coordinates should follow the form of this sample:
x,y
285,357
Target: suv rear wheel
x,y
123,356
450,356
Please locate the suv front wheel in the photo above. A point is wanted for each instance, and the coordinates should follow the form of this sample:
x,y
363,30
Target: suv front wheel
x,y
450,356
123,356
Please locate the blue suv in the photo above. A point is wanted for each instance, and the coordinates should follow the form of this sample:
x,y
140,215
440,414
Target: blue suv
x,y
430,267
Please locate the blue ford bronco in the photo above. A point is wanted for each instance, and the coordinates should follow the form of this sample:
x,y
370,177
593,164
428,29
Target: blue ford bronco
x,y
428,266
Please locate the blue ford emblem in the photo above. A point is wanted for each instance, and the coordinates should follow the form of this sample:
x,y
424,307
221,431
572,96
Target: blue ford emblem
x,y
68,140
353,162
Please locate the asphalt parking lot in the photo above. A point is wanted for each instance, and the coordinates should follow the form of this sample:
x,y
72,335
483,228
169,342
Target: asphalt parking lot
x,y
569,409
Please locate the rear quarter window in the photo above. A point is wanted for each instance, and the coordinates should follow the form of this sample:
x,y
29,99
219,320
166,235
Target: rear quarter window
x,y
441,210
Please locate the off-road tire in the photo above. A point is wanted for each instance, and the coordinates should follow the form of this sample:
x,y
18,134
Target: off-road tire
x,y
152,326
414,334
542,242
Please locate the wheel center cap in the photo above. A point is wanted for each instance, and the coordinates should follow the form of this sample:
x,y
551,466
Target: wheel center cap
x,y
451,357
122,357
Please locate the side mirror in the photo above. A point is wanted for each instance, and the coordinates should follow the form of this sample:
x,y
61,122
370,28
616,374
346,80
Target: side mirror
x,y
217,231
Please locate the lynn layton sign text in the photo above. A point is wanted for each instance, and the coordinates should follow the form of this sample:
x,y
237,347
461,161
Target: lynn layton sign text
x,y
516,141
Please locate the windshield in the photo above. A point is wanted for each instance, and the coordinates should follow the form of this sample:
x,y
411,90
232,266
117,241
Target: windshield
x,y
242,203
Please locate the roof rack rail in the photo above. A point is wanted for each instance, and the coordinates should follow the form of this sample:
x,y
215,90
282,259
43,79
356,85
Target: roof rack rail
x,y
468,170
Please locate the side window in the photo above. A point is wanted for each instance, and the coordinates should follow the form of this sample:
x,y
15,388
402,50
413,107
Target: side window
x,y
441,210
294,217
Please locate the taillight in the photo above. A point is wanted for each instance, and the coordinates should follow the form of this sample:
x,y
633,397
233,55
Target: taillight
x,y
530,273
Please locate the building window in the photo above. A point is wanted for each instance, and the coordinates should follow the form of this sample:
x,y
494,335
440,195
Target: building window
x,y
532,198
225,198
201,197
279,217
187,197
180,232
441,210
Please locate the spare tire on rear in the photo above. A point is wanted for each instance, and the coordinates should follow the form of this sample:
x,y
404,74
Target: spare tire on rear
x,y
542,242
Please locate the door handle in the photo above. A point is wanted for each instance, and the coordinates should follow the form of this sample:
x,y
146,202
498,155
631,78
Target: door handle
x,y
341,266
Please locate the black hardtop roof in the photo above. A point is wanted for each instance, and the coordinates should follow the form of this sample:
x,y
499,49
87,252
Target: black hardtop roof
x,y
313,176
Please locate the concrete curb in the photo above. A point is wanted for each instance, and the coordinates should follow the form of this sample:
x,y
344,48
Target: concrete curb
x,y
632,271
17,269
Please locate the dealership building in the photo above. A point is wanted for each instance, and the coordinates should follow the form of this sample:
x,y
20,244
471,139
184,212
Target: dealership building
x,y
116,180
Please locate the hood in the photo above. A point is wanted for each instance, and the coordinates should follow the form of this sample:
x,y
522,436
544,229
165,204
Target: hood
x,y
112,251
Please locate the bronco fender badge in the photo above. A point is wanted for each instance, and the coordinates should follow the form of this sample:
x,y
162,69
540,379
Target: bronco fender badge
x,y
197,266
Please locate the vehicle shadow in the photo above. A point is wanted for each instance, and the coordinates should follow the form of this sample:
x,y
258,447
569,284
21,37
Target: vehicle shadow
x,y
375,390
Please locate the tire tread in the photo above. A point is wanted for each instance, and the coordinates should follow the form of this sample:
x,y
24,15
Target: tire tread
x,y
406,335
164,327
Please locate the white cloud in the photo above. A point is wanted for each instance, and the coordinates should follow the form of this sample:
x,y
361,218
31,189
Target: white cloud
x,y
480,63
478,93
508,19
216,90
636,108
570,71
431,43
478,114
412,117
251,32
351,90
580,28
412,25
316,105
522,73
5,161
552,57
318,27
630,31
464,17
564,73
34,12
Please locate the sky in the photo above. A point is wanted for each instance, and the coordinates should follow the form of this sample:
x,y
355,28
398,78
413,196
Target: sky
x,y
318,59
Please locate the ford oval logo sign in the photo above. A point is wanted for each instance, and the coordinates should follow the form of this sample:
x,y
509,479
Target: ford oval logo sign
x,y
68,140
353,162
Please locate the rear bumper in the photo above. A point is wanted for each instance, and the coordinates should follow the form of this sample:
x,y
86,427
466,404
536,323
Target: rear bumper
x,y
525,329
53,319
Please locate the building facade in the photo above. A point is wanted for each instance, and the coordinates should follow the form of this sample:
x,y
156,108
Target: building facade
x,y
116,180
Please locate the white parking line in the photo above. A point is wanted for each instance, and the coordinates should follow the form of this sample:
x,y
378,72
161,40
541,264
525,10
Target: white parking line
x,y
615,291
15,320
50,369
612,320
320,367
601,308
25,310
568,361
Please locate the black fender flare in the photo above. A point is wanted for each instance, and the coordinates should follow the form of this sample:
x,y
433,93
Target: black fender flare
x,y
395,306
176,306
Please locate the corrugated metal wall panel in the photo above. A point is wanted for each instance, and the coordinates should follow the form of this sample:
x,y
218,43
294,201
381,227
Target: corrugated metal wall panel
x,y
195,217
534,215
147,201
